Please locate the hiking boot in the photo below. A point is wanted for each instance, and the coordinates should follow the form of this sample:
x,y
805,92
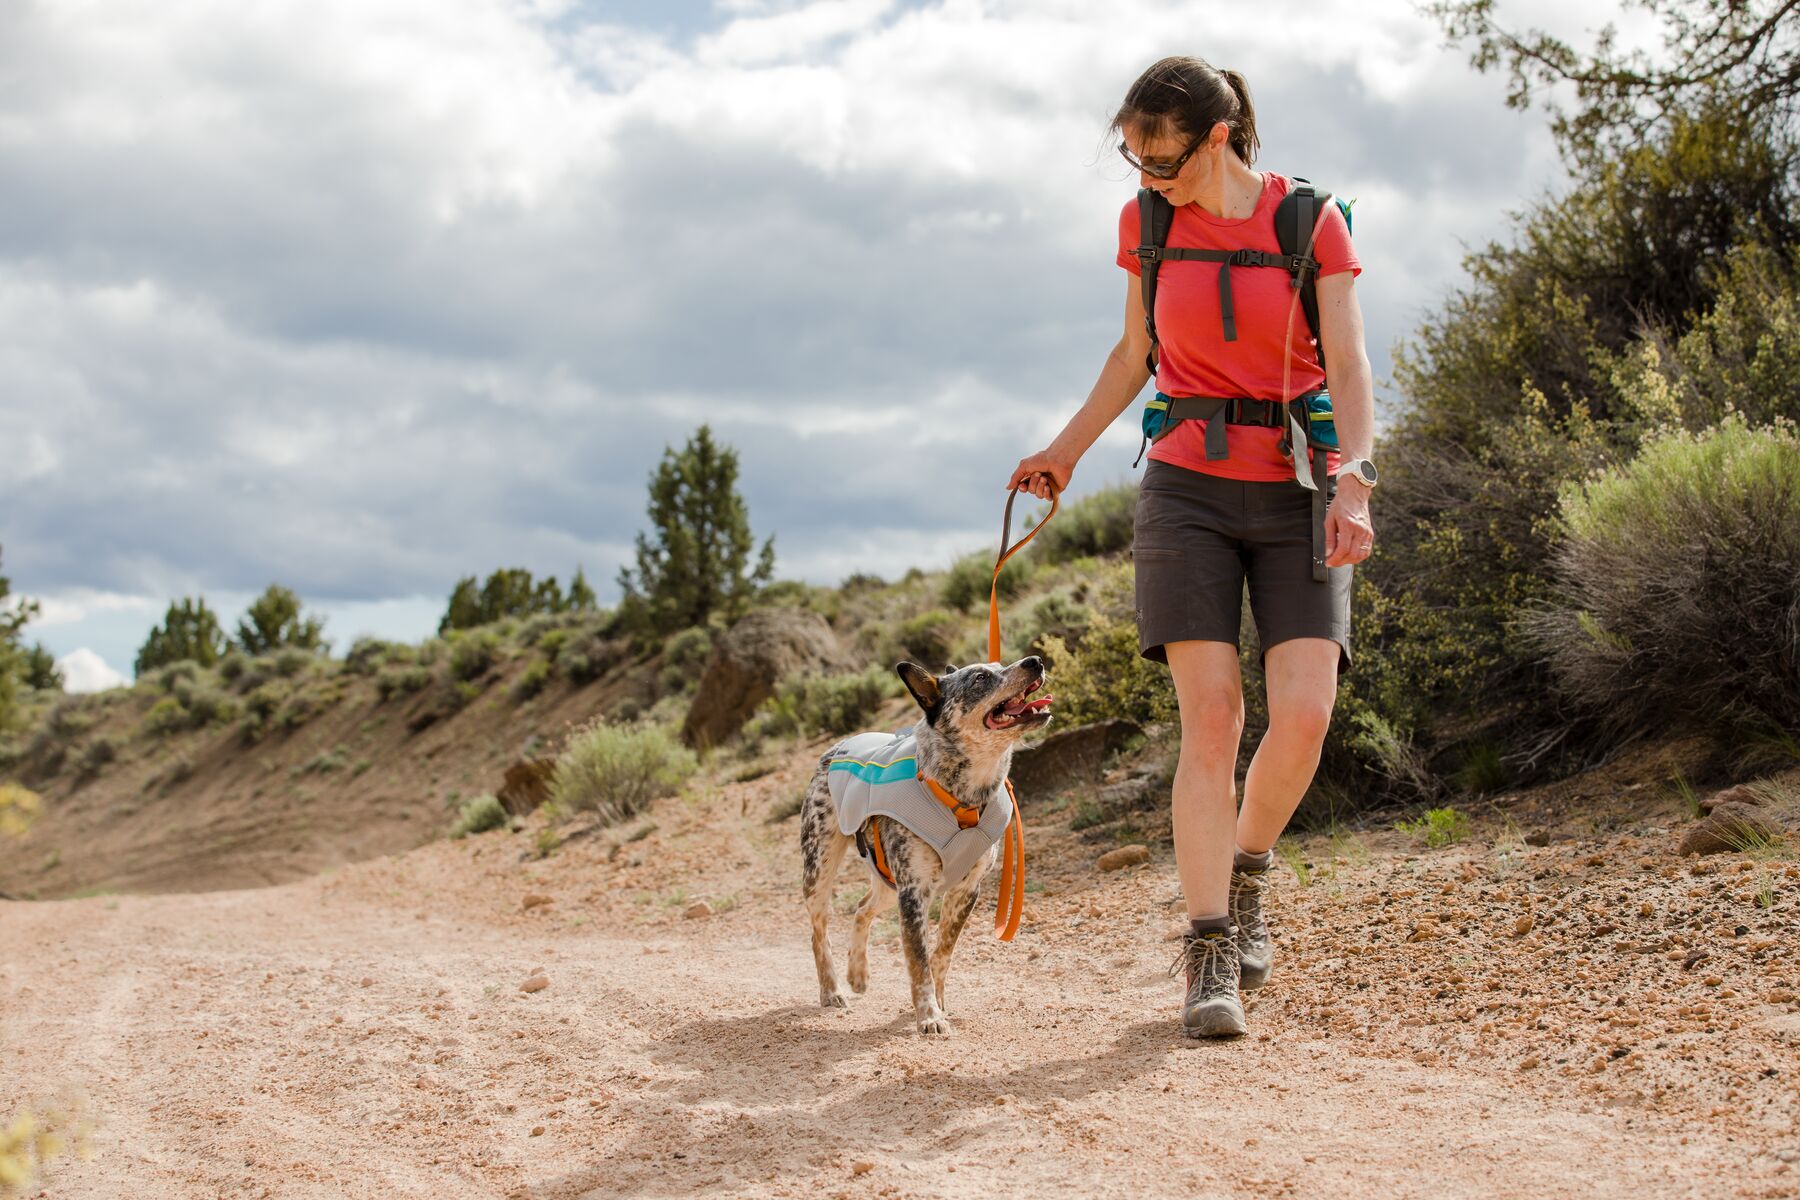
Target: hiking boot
x,y
1256,954
1212,1007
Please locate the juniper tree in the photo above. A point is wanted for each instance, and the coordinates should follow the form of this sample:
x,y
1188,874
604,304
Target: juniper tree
x,y
696,561
512,592
274,622
190,632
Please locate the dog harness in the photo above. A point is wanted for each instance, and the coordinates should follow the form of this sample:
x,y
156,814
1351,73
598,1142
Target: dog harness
x,y
875,775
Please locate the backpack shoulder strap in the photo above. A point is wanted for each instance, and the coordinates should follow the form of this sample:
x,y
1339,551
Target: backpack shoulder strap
x,y
1155,214
1295,219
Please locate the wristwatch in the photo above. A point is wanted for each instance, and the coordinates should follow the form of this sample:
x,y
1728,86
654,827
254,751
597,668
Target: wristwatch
x,y
1362,468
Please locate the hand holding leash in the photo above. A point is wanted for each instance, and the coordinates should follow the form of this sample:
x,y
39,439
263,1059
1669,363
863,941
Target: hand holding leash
x,y
1041,474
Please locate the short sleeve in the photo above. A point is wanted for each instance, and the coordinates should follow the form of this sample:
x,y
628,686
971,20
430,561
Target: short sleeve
x,y
1128,237
1332,245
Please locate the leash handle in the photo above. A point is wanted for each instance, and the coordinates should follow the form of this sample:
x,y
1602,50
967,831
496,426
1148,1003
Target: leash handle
x,y
1007,550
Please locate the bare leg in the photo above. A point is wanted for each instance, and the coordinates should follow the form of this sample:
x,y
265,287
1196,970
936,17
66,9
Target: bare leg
x,y
1302,678
953,914
1210,691
880,897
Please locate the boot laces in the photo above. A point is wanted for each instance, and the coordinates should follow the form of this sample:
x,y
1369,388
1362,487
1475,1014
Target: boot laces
x,y
1247,906
1211,966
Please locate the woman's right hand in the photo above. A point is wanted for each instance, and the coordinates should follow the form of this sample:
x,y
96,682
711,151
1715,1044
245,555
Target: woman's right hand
x,y
1040,474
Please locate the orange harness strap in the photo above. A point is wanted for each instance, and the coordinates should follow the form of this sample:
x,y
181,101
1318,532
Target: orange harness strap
x,y
880,856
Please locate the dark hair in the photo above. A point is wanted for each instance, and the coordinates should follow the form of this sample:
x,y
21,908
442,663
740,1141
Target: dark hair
x,y
1190,95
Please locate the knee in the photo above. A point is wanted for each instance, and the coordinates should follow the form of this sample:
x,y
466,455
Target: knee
x,y
1302,720
1216,721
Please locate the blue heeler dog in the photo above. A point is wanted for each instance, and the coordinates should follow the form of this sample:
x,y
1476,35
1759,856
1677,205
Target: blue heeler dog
x,y
961,749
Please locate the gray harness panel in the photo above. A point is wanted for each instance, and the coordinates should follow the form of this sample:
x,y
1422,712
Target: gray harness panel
x,y
877,775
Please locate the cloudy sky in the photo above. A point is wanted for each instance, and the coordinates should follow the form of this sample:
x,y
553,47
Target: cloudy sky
x,y
364,295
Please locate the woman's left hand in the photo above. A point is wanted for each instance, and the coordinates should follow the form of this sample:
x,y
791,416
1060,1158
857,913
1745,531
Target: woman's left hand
x,y
1349,534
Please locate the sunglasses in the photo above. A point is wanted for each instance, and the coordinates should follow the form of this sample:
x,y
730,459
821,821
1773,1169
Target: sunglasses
x,y
1162,170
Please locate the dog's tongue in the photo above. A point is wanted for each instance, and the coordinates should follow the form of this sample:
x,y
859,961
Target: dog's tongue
x,y
1040,702
1013,708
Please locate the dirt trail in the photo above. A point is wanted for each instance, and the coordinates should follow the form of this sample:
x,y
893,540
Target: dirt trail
x,y
364,1034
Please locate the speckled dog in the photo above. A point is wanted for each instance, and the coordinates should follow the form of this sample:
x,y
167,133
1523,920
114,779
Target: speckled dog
x,y
972,718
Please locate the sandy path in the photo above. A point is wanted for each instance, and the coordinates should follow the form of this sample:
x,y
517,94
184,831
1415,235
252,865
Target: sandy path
x,y
365,1036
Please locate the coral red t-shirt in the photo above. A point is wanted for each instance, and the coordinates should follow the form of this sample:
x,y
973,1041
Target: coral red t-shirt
x,y
1271,328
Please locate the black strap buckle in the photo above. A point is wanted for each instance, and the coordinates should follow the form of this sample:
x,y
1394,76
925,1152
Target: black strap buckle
x,y
1149,253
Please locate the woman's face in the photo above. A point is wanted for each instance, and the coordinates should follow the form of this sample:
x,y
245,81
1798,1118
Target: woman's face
x,y
1198,176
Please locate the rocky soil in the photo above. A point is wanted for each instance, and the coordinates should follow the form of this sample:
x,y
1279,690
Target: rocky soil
x,y
636,1015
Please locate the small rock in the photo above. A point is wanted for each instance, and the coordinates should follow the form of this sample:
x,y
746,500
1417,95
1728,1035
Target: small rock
x,y
1523,925
1529,1062
1424,931
1741,794
1538,837
536,983
1124,856
533,900
367,982
1729,827
861,1168
537,1131
698,909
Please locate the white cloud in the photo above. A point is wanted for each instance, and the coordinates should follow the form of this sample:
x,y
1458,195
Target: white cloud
x,y
85,671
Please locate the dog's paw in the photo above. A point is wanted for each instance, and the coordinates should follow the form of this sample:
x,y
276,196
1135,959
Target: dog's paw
x,y
934,1022
833,1000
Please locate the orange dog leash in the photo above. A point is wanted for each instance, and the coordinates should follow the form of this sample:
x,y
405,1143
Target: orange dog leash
x,y
1011,900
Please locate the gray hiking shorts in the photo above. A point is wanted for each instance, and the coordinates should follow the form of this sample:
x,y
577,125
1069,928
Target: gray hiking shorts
x,y
1199,538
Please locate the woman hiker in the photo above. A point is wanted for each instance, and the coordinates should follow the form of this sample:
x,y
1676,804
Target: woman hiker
x,y
1206,523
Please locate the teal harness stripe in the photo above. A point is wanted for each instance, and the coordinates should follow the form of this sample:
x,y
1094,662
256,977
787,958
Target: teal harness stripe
x,y
869,772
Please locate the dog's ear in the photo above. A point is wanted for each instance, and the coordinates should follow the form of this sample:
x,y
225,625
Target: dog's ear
x,y
922,684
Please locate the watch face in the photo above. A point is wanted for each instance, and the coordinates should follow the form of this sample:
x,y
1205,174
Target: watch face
x,y
1366,469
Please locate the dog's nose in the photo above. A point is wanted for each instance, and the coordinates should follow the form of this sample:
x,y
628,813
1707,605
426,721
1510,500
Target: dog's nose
x,y
1033,663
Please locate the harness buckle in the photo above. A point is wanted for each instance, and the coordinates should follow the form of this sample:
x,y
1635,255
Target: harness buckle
x,y
1149,253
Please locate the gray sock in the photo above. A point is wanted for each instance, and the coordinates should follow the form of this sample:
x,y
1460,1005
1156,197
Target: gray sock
x,y
1203,925
1253,862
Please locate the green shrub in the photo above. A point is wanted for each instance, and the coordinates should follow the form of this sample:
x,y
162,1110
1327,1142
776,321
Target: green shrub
x,y
166,716
1438,827
533,679
971,578
478,815
683,657
473,653
1059,615
550,643
368,655
1100,674
101,751
167,678
399,681
233,666
929,638
588,654
618,770
1674,608
430,651
293,661
1097,524
812,704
